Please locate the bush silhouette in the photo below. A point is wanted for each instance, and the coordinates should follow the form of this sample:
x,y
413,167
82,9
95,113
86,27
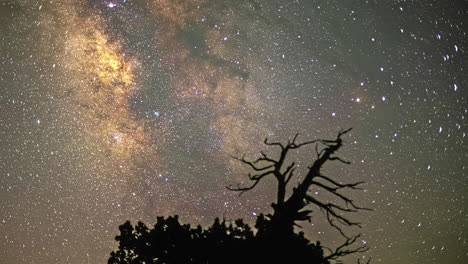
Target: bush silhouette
x,y
169,241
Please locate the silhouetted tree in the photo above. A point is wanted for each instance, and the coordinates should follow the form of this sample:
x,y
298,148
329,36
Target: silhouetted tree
x,y
275,240
289,210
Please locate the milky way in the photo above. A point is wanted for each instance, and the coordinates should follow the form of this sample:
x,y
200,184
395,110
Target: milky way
x,y
131,109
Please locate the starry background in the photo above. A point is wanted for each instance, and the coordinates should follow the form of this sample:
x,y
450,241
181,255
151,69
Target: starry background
x,y
130,109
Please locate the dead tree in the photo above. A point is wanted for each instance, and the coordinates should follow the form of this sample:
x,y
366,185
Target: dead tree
x,y
288,210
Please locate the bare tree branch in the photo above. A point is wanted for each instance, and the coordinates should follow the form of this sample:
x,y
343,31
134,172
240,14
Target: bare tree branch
x,y
290,175
273,143
342,132
265,158
330,208
344,249
340,159
288,169
255,178
319,153
333,191
351,185
293,145
251,164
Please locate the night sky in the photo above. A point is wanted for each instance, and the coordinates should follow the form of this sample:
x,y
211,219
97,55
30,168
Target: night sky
x,y
131,109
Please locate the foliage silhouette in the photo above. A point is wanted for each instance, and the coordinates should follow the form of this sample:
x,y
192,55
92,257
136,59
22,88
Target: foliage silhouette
x,y
274,241
171,242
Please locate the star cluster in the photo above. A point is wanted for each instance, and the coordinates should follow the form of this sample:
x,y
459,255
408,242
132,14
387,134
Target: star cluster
x,y
131,109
